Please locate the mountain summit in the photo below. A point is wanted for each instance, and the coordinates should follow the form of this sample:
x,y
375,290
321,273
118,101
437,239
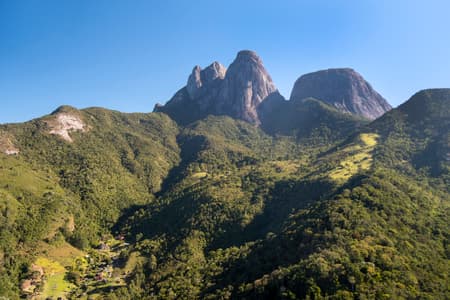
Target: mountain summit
x,y
345,89
200,81
358,209
240,91
236,92
246,85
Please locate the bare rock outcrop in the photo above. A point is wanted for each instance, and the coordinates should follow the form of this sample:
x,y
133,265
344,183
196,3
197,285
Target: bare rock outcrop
x,y
65,120
345,89
246,91
203,80
246,85
236,92
6,144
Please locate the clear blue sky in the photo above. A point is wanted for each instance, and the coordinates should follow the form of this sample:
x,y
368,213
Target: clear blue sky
x,y
128,55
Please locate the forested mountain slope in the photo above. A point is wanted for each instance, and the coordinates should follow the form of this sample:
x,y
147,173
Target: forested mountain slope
x,y
354,221
279,199
74,173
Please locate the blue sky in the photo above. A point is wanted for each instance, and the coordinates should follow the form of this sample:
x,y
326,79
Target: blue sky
x,y
128,55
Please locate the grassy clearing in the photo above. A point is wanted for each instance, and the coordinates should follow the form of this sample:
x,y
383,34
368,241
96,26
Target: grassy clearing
x,y
285,167
65,254
57,260
50,266
200,175
54,263
133,260
19,178
55,284
355,157
369,139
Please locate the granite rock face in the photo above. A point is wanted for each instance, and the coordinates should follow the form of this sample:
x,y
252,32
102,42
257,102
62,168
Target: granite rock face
x,y
236,92
345,89
202,80
246,85
246,91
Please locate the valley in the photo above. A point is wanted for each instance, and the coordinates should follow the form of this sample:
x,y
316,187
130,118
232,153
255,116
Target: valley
x,y
62,271
230,191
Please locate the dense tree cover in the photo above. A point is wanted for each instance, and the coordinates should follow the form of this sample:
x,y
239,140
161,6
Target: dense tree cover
x,y
222,209
278,228
311,121
119,162
30,202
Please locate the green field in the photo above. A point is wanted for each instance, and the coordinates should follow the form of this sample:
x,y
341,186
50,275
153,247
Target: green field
x,y
355,157
55,284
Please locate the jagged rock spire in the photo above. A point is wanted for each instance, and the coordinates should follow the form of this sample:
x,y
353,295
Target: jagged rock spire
x,y
236,92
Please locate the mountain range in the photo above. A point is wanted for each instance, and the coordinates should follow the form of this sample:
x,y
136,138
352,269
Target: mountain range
x,y
231,191
246,91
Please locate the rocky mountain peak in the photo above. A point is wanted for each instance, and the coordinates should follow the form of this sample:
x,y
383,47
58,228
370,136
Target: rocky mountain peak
x,y
214,71
246,85
236,92
343,88
248,55
202,78
194,81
